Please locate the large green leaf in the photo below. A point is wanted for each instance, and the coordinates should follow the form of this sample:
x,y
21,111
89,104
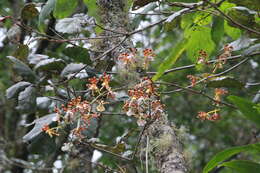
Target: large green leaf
x,y
22,69
242,166
227,153
64,8
199,38
234,33
217,31
247,108
171,59
46,10
15,89
27,100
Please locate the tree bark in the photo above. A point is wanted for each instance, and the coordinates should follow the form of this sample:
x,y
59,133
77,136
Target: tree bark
x,y
169,157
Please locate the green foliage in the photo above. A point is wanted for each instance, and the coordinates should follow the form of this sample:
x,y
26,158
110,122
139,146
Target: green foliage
x,y
234,33
171,59
242,166
217,30
227,153
64,8
22,69
78,54
247,108
199,38
51,65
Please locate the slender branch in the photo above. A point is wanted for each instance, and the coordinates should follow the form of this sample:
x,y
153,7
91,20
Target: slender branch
x,y
215,75
196,92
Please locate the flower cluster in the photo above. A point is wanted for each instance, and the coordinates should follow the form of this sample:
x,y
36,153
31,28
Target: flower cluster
x,y
202,59
143,102
134,59
222,59
148,57
193,80
96,85
82,111
218,93
211,115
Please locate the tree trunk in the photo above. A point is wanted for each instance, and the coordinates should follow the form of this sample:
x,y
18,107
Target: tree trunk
x,y
168,154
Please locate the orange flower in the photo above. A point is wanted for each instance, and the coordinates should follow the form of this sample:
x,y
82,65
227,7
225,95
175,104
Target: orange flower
x,y
105,81
193,80
50,131
218,93
93,84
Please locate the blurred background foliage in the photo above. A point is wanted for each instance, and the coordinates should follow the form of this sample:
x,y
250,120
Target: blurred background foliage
x,y
203,29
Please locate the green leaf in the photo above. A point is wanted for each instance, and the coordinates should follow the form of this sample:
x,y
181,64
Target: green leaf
x,y
242,166
247,109
227,153
46,10
199,38
51,64
29,12
92,8
27,100
234,33
224,81
22,69
202,18
79,54
64,8
15,89
21,52
217,31
175,54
